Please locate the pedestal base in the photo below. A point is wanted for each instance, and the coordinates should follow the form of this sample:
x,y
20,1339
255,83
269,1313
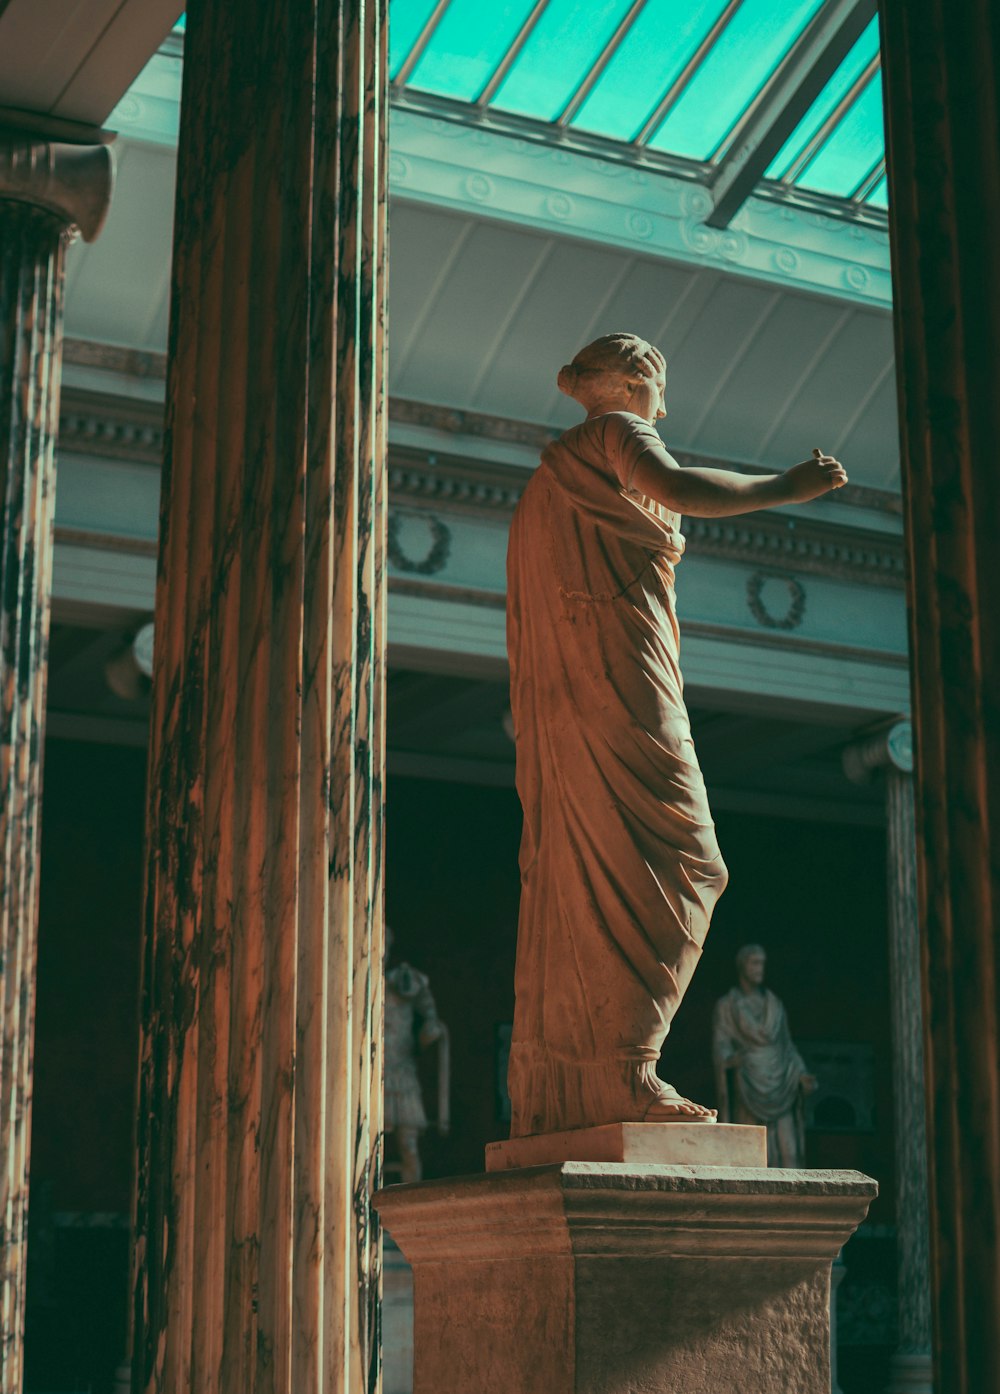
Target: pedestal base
x,y
911,1374
591,1278
691,1144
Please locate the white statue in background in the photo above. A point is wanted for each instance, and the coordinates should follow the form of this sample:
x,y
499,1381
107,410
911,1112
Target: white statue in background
x,y
760,1076
411,1025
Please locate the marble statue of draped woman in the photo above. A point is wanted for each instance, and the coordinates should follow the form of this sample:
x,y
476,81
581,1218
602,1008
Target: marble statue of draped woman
x,y
620,867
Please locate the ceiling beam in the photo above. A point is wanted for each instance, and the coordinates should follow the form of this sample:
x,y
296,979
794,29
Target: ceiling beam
x,y
73,60
794,86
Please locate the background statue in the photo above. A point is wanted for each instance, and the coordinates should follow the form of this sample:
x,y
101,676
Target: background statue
x,y
411,1025
760,1076
620,868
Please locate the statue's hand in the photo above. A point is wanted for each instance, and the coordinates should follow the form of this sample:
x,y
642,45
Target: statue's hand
x,y
813,478
431,1032
808,1084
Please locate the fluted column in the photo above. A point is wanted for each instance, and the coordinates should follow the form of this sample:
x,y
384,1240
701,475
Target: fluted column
x,y
256,1264
46,191
941,65
891,753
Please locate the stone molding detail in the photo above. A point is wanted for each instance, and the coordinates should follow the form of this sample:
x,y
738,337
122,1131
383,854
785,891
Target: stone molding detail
x,y
796,601
112,428
656,208
537,1211
127,429
824,549
436,558
72,182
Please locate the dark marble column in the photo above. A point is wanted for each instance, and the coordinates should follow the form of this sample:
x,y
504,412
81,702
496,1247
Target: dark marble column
x,y
941,64
46,192
256,1264
890,754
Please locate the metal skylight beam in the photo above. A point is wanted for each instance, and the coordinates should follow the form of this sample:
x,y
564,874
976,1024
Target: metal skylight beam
x,y
806,157
870,183
784,100
674,92
603,59
510,57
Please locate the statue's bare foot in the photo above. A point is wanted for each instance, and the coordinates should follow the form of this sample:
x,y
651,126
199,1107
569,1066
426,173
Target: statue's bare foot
x,y
671,1107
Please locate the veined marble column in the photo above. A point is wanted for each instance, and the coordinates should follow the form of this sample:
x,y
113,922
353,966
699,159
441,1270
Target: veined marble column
x,y
941,68
256,1264
892,752
46,191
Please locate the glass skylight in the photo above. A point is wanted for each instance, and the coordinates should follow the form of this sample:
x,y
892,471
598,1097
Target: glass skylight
x,y
407,20
852,150
653,54
731,74
675,78
557,56
468,45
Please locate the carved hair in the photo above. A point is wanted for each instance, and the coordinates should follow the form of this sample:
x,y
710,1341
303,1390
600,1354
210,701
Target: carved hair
x,y
748,951
597,370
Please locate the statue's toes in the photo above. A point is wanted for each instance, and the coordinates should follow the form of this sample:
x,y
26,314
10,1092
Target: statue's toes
x,y
671,1107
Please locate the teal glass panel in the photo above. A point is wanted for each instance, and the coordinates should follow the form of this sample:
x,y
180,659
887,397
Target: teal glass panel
x,y
406,23
558,56
854,147
826,103
181,24
879,196
660,42
739,63
468,45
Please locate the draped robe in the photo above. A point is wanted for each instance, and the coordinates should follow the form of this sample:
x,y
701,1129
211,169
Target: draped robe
x,y
620,867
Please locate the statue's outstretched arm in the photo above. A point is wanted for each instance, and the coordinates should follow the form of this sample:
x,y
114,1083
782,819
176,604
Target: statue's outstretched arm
x,y
715,493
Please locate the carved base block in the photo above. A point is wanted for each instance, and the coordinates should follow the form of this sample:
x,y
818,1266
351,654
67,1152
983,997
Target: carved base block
x,y
691,1144
602,1278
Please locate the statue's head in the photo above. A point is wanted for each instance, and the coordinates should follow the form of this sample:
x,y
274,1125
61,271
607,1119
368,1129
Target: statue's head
x,y
751,962
619,372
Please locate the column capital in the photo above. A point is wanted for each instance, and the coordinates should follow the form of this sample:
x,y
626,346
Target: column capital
x,y
890,748
71,182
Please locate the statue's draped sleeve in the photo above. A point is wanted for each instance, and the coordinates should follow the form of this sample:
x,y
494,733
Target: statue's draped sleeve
x,y
620,868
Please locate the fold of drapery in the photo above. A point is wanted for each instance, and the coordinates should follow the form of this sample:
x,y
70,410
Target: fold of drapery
x,y
620,868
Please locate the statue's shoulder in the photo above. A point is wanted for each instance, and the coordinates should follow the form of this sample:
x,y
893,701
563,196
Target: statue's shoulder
x,y
726,1002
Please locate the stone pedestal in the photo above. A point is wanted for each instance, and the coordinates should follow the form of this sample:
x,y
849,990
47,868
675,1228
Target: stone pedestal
x,y
397,1321
605,1278
695,1144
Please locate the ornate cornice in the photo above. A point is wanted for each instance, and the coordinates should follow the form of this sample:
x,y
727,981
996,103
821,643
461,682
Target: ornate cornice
x,y
771,543
112,427
71,182
775,543
454,422
115,358
454,484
